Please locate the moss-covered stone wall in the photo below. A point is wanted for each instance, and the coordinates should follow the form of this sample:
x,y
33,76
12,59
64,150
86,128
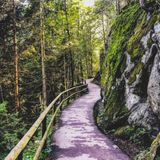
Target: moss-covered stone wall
x,y
126,74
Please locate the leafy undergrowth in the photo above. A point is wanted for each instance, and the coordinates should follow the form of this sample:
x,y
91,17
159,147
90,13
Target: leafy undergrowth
x,y
34,143
12,129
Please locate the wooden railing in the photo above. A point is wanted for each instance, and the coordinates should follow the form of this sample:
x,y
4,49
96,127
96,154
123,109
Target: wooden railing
x,y
56,106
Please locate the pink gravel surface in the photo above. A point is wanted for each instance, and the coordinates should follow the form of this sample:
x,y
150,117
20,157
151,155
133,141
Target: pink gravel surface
x,y
78,138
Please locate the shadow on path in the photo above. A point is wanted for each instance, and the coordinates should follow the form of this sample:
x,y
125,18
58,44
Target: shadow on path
x,y
78,138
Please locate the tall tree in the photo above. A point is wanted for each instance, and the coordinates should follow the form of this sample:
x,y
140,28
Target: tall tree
x,y
44,87
42,38
17,98
71,70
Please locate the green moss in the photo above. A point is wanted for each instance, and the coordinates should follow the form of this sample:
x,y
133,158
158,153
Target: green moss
x,y
122,30
153,20
114,109
114,64
134,72
134,47
138,52
151,152
124,132
135,38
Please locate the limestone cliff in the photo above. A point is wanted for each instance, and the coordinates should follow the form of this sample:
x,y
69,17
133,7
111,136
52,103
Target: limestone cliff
x,y
130,77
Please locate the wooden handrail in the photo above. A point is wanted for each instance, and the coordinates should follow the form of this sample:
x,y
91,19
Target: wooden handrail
x,y
42,142
18,149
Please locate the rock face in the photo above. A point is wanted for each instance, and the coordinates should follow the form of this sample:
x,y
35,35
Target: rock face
x,y
130,77
154,81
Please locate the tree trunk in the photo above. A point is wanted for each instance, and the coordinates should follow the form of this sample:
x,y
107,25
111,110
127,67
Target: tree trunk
x,y
81,68
68,40
87,66
42,37
65,72
80,73
44,88
17,98
91,55
1,93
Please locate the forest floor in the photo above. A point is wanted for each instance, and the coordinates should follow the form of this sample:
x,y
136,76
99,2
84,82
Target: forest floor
x,y
78,138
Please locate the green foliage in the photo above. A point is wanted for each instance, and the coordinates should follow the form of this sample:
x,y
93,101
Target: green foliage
x,y
34,143
71,32
12,129
3,108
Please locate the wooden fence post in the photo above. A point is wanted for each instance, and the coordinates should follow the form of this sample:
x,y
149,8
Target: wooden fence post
x,y
68,101
54,109
44,127
61,101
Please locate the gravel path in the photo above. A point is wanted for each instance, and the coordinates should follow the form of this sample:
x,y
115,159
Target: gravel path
x,y
78,138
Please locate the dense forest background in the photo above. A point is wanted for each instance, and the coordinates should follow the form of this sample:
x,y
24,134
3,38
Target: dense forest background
x,y
45,47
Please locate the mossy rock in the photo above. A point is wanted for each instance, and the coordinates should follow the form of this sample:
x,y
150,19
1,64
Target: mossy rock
x,y
126,35
122,30
124,132
150,42
134,46
135,72
154,153
115,64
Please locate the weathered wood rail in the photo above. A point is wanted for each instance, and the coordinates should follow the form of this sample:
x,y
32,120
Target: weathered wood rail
x,y
55,106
